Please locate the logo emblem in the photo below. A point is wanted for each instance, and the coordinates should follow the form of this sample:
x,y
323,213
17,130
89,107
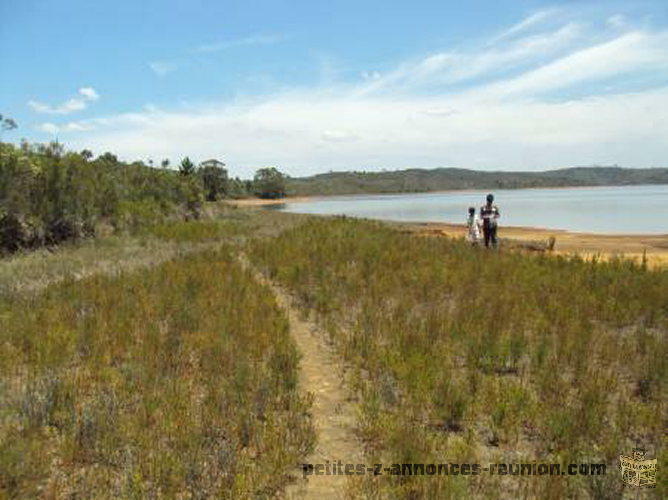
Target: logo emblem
x,y
637,470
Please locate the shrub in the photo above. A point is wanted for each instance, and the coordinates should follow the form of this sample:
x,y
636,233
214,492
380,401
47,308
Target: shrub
x,y
482,357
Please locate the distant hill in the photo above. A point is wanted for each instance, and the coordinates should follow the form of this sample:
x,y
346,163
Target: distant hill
x,y
439,179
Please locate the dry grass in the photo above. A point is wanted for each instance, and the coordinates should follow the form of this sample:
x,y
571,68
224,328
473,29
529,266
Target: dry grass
x,y
31,271
152,365
176,379
477,356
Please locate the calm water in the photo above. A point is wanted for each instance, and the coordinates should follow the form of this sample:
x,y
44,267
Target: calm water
x,y
623,209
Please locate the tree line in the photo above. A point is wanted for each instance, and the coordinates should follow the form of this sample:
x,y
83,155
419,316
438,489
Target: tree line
x,y
49,195
442,179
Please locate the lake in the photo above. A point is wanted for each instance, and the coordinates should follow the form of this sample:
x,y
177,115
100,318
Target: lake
x,y
611,210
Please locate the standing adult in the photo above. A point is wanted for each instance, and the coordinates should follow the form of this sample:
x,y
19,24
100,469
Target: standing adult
x,y
489,213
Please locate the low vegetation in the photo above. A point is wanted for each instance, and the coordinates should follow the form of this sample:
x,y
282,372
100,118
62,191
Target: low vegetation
x,y
460,355
175,379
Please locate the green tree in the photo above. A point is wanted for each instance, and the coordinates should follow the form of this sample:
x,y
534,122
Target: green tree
x,y
108,158
214,179
237,188
187,167
7,123
269,183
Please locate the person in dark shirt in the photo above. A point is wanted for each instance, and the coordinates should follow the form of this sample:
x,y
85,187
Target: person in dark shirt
x,y
489,213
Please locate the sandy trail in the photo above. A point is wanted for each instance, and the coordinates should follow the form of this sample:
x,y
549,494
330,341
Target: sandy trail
x,y
333,413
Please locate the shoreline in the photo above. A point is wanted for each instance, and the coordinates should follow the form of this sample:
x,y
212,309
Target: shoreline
x,y
634,246
543,231
259,202
304,198
586,244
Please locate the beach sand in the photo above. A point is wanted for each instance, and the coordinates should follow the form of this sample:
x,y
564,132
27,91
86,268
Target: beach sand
x,y
655,247
259,202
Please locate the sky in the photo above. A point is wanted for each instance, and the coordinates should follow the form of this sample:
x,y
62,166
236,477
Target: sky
x,y
313,86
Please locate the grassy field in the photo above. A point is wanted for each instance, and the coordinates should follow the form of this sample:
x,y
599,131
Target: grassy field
x,y
153,364
173,380
460,355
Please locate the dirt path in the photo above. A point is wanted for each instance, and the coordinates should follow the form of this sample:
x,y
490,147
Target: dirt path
x,y
333,413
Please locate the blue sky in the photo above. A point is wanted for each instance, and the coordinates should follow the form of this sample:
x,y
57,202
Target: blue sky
x,y
315,86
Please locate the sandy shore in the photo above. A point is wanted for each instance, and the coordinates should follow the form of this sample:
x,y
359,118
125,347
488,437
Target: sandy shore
x,y
655,247
259,202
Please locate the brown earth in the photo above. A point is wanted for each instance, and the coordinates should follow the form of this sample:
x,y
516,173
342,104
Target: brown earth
x,y
655,247
321,376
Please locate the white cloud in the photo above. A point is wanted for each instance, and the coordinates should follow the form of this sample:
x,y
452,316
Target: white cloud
x,y
79,103
385,132
52,128
78,127
446,68
527,23
439,112
499,106
630,52
617,21
162,68
337,136
89,93
49,128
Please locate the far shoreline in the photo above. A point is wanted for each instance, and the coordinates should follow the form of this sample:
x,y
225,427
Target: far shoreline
x,y
248,202
258,202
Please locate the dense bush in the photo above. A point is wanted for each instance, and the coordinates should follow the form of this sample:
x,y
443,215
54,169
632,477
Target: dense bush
x,y
48,195
269,183
214,179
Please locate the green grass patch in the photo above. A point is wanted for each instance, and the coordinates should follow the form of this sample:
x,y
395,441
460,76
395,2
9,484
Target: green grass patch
x,y
177,380
465,355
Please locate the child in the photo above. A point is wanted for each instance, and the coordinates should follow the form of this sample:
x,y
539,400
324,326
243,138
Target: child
x,y
473,224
